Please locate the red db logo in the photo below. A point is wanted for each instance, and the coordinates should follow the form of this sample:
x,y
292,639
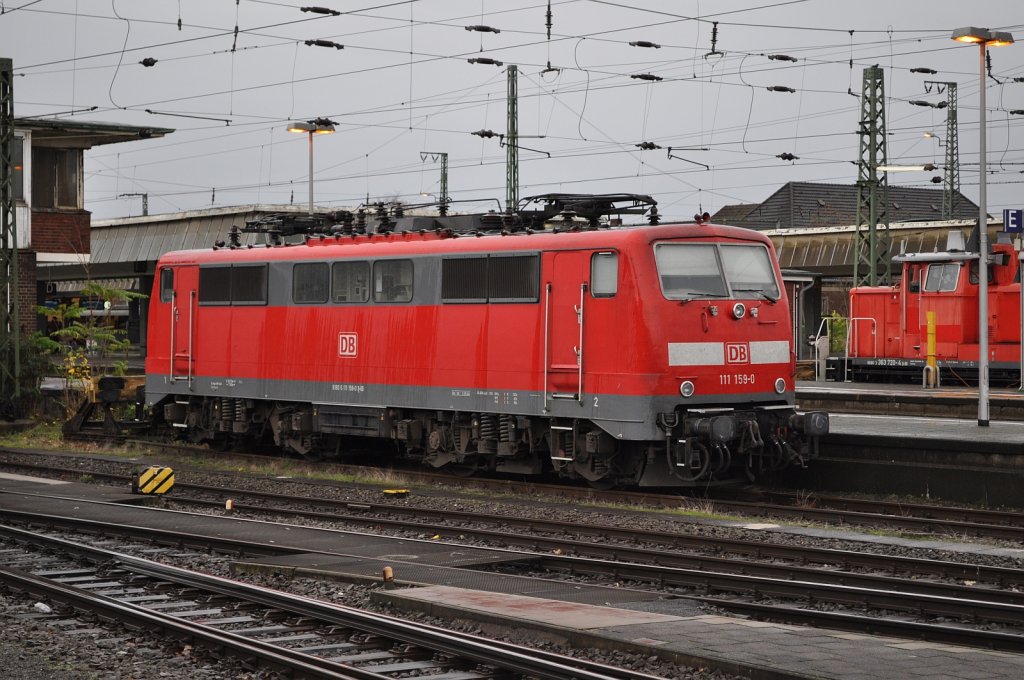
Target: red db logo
x,y
348,344
737,353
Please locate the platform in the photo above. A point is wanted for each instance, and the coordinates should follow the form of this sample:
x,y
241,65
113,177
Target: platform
x,y
460,582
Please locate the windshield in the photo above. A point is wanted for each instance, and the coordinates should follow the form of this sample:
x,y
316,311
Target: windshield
x,y
708,270
749,269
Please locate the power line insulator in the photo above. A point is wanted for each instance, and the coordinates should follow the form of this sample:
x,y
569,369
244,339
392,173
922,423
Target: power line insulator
x,y
485,133
788,157
921,69
936,180
148,61
780,88
325,43
646,76
647,146
485,60
480,28
645,43
321,10
781,57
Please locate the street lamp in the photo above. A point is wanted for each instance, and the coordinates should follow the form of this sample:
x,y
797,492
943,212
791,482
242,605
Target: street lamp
x,y
984,38
319,126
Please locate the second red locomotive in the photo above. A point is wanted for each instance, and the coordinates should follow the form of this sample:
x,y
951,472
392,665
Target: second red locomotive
x,y
648,355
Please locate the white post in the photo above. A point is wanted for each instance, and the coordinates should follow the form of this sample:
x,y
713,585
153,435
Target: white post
x,y
983,261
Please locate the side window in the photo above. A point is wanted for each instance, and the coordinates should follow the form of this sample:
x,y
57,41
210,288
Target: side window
x,y
604,274
513,278
166,284
464,279
350,282
974,273
392,281
310,282
239,285
249,284
215,285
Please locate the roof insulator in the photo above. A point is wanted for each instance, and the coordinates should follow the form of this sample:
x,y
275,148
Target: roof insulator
x,y
646,76
148,61
483,29
325,43
485,60
645,43
780,88
781,57
921,69
321,10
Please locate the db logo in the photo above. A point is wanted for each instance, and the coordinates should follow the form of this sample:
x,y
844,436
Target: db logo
x,y
348,344
737,353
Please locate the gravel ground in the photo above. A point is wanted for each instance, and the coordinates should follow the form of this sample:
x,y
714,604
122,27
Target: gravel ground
x,y
33,647
39,645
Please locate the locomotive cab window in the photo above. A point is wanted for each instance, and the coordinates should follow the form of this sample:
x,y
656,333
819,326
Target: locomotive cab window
x,y
974,273
604,274
392,281
749,270
350,282
310,282
942,278
166,284
689,270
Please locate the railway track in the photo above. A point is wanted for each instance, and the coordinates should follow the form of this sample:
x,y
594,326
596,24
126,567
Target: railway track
x,y
297,635
889,515
951,612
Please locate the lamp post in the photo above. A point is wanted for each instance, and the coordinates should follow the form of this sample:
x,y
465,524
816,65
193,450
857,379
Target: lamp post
x,y
319,126
984,38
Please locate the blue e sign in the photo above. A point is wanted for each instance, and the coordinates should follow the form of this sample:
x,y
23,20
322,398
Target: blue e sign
x,y
1013,221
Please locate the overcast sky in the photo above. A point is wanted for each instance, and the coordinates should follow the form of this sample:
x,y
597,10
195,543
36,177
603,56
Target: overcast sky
x,y
402,85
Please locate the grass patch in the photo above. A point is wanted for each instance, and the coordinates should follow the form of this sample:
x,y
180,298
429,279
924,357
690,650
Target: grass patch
x,y
695,509
40,436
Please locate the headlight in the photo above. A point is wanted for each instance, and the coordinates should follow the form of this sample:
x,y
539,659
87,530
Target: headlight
x,y
780,385
739,310
686,389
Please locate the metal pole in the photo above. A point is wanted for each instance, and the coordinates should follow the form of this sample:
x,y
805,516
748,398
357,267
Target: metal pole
x,y
310,172
983,261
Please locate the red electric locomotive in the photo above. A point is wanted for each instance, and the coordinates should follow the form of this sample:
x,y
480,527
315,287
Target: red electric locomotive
x,y
646,355
888,325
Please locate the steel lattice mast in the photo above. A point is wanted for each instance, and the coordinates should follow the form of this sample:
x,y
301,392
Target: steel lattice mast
x,y
871,264
951,178
10,338
512,142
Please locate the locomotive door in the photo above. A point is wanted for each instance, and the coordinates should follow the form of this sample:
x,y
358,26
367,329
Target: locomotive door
x,y
183,322
565,294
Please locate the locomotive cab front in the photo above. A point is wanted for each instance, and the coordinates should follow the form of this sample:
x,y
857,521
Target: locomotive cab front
x,y
725,326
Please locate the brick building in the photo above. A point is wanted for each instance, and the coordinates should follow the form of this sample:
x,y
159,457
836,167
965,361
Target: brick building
x,y
53,224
